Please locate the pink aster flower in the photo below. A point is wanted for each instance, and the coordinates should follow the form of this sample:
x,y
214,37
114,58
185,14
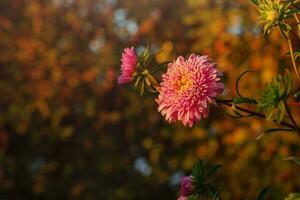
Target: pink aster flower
x,y
188,88
128,66
186,187
182,198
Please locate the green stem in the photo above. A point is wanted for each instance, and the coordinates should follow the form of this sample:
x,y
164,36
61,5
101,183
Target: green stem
x,y
229,103
298,23
291,116
293,57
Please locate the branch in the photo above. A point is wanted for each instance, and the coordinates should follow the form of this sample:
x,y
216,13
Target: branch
x,y
229,103
291,116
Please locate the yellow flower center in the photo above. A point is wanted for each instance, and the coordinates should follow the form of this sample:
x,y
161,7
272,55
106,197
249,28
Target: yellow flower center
x,y
271,15
184,82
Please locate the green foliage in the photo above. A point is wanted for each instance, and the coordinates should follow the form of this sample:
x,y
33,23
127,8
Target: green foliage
x,y
295,159
255,2
143,78
244,100
296,54
273,13
293,196
263,194
274,96
273,130
203,181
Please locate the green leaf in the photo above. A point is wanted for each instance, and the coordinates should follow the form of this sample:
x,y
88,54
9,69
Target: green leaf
x,y
198,169
293,158
288,84
238,114
216,196
293,196
274,96
147,81
137,81
164,63
212,171
152,55
142,88
231,115
152,79
272,130
294,11
241,100
255,2
146,54
263,194
150,89
297,54
282,110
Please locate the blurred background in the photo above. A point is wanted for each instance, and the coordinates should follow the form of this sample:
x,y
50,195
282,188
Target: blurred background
x,y
69,131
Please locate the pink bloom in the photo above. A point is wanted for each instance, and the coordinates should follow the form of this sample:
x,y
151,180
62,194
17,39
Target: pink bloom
x,y
182,198
128,66
186,187
187,89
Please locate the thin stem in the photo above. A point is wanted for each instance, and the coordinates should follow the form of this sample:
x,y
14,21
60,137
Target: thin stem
x,y
290,116
293,57
298,22
229,103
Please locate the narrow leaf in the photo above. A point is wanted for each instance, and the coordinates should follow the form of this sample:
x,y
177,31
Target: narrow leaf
x,y
293,158
137,82
293,196
147,81
293,11
255,2
241,100
150,89
216,196
142,88
272,130
213,170
263,194
152,79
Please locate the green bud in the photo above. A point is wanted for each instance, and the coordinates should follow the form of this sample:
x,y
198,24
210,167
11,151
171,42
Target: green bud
x,y
274,96
272,14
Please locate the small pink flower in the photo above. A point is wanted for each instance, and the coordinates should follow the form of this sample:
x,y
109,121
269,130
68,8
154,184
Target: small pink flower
x,y
186,187
182,198
128,66
188,88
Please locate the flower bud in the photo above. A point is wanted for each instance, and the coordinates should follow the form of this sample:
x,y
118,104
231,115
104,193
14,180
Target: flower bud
x,y
186,188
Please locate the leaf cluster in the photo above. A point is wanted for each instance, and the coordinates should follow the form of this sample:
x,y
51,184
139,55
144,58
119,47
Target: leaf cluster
x,y
203,181
274,96
293,196
143,77
274,13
